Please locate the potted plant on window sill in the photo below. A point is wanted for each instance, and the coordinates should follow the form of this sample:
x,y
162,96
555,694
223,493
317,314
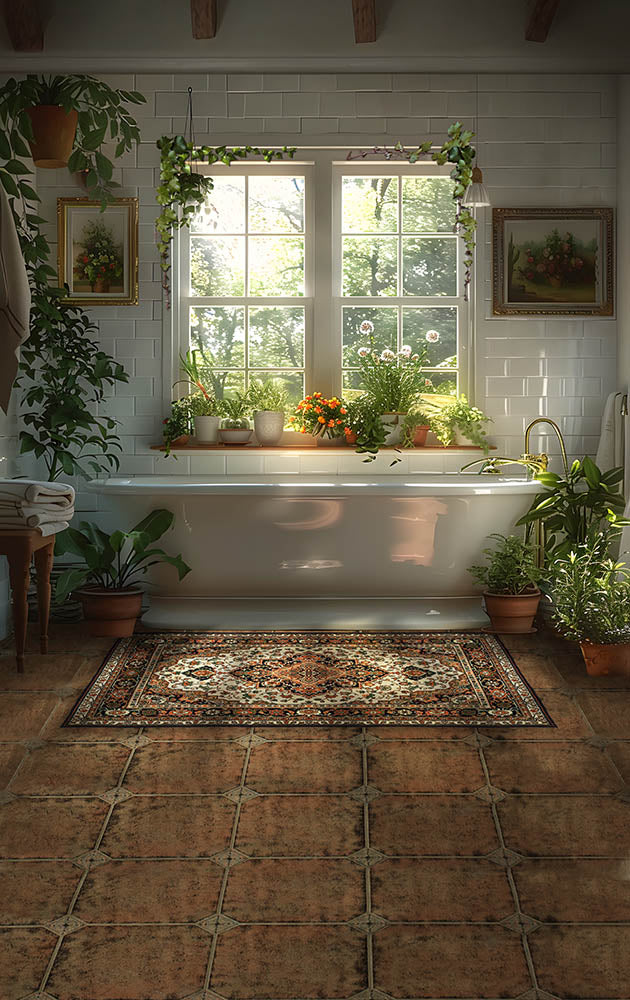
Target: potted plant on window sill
x,y
235,427
393,381
324,418
107,583
206,413
268,401
416,426
510,578
459,423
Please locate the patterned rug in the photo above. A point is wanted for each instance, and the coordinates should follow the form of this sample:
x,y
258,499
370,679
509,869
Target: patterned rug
x,y
309,678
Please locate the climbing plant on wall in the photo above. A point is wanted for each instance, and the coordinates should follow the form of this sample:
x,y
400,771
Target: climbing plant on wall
x,y
63,374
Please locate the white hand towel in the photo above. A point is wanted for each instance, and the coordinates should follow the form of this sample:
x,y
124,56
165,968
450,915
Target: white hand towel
x,y
15,300
606,451
21,518
47,512
32,491
51,528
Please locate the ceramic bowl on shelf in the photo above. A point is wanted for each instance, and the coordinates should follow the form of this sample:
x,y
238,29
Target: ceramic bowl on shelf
x,y
235,435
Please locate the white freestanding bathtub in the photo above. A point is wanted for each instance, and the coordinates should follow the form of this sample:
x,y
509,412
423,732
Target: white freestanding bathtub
x,y
381,551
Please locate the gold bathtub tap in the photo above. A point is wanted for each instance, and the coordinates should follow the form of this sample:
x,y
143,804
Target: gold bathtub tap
x,y
543,459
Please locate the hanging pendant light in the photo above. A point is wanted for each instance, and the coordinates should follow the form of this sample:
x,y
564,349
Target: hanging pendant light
x,y
476,194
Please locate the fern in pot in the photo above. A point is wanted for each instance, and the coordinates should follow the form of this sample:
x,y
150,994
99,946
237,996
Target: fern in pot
x,y
461,424
510,579
107,581
235,426
269,401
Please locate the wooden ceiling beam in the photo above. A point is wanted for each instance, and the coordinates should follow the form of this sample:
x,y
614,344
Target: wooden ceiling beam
x,y
540,20
364,14
203,14
24,25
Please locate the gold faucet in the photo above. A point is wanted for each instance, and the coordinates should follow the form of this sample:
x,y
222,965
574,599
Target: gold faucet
x,y
543,459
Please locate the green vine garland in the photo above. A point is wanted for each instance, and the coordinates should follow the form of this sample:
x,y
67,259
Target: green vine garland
x,y
181,190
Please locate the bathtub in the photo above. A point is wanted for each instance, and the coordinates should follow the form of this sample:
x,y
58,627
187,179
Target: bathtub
x,y
373,551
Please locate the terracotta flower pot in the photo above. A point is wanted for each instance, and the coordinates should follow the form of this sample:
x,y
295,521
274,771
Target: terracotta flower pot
x,y
54,130
350,437
111,612
512,612
604,659
101,285
420,435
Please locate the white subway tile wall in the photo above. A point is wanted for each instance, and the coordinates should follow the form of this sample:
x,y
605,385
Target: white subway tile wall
x,y
544,140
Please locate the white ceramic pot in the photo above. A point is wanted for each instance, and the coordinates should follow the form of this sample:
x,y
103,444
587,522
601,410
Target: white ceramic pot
x,y
394,428
235,435
207,430
268,425
461,440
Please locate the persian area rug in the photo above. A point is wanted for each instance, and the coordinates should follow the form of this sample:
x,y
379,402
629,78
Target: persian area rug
x,y
309,678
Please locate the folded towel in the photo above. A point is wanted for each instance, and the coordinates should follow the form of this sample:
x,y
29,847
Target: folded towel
x,y
32,491
29,518
50,528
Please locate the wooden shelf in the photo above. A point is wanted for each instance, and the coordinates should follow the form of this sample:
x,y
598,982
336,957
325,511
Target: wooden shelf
x,y
309,449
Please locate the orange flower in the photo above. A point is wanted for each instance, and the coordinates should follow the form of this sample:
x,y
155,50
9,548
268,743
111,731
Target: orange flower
x,y
332,403
348,430
340,421
308,406
343,410
302,430
318,409
322,420
331,423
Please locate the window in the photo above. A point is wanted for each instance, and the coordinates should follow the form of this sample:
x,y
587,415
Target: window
x,y
291,267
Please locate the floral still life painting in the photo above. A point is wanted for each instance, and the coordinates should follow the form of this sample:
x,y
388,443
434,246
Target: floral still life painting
x,y
552,261
98,256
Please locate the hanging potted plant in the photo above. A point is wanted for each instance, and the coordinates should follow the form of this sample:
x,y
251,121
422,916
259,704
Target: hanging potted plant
x,y
510,578
107,584
235,427
269,401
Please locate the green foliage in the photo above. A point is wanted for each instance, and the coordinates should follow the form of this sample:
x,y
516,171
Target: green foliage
x,y
591,592
417,416
196,376
572,506
364,419
267,395
204,406
460,415
392,380
64,376
114,561
182,191
178,422
236,411
510,567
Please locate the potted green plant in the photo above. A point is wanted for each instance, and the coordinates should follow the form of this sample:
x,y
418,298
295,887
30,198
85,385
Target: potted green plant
x,y
323,418
416,426
206,412
591,604
269,401
363,418
177,427
235,427
107,582
393,380
459,423
510,577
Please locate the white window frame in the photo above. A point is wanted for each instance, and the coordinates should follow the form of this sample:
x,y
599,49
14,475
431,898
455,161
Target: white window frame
x,y
323,301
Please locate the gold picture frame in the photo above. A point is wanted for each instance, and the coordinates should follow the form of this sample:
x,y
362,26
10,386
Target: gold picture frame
x,y
97,252
553,262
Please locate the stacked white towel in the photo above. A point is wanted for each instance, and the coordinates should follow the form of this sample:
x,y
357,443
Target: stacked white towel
x,y
26,503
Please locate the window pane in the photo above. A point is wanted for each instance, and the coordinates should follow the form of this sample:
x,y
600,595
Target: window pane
x,y
445,384
217,265
427,205
434,330
276,204
365,326
369,205
276,265
227,383
218,334
429,266
276,337
224,208
370,265
293,382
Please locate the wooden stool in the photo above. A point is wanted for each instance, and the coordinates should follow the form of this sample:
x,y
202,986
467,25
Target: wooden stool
x,y
19,545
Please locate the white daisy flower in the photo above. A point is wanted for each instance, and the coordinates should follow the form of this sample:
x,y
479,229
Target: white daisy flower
x,y
432,336
405,350
387,355
363,352
366,326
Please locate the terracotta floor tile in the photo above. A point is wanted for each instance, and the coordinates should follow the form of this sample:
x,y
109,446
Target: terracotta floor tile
x,y
582,962
424,767
70,769
619,753
185,767
195,734
570,723
608,712
10,756
23,715
129,963
584,890
24,953
169,826
446,889
289,962
550,767
539,670
295,767
55,729
50,828
300,826
147,891
47,672
33,892
571,826
275,891
307,732
432,824
420,732
441,961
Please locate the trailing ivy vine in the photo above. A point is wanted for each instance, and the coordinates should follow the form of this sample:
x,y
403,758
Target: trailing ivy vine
x,y
182,190
63,374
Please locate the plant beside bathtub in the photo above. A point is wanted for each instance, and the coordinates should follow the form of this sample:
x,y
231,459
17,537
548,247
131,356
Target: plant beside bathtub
x,y
458,422
510,577
107,583
269,401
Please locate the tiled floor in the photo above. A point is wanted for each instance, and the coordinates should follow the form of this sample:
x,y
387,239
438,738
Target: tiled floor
x,y
332,863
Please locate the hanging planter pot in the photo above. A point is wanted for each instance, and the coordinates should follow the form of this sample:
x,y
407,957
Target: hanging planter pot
x,y
53,135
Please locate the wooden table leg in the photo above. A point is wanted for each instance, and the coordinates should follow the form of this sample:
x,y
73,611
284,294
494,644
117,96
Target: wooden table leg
x,y
19,575
43,565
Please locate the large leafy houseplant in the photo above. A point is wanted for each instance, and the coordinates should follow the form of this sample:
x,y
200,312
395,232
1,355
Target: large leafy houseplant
x,y
510,577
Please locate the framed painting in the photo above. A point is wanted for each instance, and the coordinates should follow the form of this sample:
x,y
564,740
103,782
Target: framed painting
x,y
552,262
98,251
